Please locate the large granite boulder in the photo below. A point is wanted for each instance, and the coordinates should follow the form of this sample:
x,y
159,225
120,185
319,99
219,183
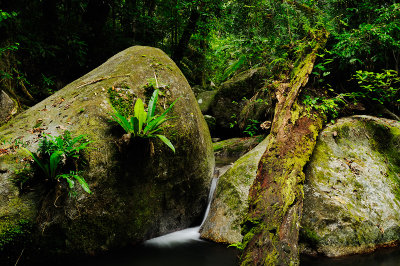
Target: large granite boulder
x,y
140,191
7,107
352,189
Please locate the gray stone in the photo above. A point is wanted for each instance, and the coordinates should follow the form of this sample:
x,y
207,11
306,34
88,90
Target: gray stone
x,y
205,99
352,190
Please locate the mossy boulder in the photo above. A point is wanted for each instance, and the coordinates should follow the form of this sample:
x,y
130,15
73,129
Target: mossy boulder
x,y
261,108
7,107
231,98
235,147
205,99
229,204
141,190
352,189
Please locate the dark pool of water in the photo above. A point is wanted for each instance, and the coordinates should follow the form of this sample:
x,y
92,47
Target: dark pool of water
x,y
193,253
203,253
381,257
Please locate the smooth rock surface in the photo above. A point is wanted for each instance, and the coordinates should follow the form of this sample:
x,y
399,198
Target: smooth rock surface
x,y
236,147
205,99
140,191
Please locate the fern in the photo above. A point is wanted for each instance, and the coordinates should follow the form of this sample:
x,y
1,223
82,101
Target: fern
x,y
52,151
145,124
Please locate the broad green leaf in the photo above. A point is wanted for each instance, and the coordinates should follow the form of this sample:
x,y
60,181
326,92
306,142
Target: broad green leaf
x,y
167,141
135,126
55,159
155,124
122,121
70,182
152,106
83,183
43,166
139,113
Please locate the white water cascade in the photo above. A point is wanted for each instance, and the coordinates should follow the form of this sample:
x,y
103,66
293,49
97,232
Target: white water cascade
x,y
186,235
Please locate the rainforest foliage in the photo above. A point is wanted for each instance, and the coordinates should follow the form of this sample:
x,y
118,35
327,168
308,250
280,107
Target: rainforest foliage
x,y
46,44
347,52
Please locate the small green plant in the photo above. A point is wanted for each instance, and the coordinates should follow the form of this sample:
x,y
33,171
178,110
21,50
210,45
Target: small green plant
x,y
57,154
75,176
16,143
49,167
234,121
382,87
321,70
238,245
252,127
329,106
66,144
145,124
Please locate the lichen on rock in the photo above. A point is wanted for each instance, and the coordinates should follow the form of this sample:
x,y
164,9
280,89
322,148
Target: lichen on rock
x,y
352,189
139,191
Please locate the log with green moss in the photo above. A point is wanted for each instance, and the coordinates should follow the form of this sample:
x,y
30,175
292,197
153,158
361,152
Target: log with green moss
x,y
271,227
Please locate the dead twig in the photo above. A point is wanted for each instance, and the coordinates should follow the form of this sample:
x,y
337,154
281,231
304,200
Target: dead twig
x,y
20,255
101,79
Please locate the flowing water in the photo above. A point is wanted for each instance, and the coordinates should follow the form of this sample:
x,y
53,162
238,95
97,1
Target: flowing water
x,y
185,248
184,236
182,248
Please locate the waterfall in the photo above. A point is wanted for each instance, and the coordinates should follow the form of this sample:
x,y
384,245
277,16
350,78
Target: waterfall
x,y
214,182
186,235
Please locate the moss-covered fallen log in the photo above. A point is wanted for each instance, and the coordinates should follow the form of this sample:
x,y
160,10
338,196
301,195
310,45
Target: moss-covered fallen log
x,y
271,227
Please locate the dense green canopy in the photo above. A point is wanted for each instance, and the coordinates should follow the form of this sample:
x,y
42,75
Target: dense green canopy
x,y
45,44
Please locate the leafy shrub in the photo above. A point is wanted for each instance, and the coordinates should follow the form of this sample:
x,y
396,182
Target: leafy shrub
x,y
383,87
252,128
61,153
145,124
328,106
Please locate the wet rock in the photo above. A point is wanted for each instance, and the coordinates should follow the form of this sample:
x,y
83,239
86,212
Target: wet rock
x,y
210,122
235,147
352,190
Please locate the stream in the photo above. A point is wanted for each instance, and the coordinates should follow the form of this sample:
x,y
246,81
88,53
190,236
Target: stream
x,y
185,248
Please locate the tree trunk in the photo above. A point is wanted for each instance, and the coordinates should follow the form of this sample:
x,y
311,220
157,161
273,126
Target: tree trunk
x,y
190,28
271,227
